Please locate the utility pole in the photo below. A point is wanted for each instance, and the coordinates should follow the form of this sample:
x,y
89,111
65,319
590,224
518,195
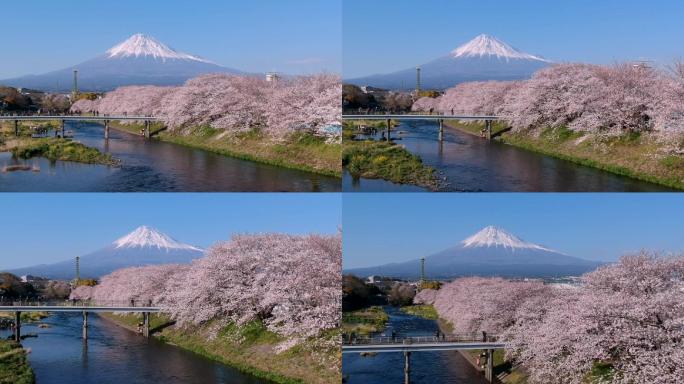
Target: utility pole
x,y
78,269
417,82
74,92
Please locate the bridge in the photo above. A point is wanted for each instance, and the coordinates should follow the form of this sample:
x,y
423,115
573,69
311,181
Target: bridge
x,y
106,119
79,307
439,118
407,345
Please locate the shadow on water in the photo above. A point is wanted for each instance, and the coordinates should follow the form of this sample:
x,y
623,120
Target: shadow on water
x,y
115,355
426,367
156,166
470,163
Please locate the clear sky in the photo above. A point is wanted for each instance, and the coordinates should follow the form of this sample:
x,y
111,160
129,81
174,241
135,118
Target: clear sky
x,y
384,228
301,36
386,35
44,228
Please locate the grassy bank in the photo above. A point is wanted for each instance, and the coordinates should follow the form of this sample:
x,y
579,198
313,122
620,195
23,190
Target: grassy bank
x,y
52,148
364,321
26,317
61,149
300,151
425,311
14,366
382,160
509,374
632,155
251,348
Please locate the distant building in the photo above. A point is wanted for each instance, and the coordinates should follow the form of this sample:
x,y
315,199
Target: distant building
x,y
272,76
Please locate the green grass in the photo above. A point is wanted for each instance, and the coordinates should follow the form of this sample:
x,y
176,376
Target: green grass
x,y
632,154
14,366
300,151
28,317
424,311
61,149
364,321
250,348
382,160
600,373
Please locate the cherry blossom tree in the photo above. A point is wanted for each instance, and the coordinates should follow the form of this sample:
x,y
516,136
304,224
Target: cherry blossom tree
x,y
293,284
627,316
232,103
82,292
600,100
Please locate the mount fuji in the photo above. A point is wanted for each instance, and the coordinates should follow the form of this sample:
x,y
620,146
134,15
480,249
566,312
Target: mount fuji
x,y
139,60
490,252
143,246
483,58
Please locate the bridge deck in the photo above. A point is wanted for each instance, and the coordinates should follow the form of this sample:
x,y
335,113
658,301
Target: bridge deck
x,y
78,118
414,347
418,117
74,308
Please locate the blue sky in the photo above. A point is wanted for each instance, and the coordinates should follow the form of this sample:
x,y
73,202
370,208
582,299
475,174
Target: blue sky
x,y
386,35
301,36
42,228
384,228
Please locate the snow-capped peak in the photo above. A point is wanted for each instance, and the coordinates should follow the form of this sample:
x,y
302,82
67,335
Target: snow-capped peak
x,y
497,237
485,45
149,237
143,45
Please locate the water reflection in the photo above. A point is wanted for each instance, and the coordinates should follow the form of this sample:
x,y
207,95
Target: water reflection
x,y
470,163
156,166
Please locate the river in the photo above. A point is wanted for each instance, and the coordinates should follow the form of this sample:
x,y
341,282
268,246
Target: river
x,y
115,355
155,166
468,163
426,367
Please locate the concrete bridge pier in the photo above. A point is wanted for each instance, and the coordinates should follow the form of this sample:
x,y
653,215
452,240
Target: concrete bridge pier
x,y
17,326
106,124
389,125
441,130
489,369
407,367
85,325
147,129
16,127
146,324
61,128
488,129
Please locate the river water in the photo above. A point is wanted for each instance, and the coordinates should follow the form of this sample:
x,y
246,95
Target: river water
x,y
155,166
468,163
426,367
115,355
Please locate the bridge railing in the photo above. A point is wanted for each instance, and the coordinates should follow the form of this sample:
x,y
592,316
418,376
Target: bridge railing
x,y
4,302
452,338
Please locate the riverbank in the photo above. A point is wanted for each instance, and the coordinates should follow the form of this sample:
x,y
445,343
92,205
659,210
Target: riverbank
x,y
636,156
382,160
303,152
363,322
250,348
14,365
505,371
425,311
52,148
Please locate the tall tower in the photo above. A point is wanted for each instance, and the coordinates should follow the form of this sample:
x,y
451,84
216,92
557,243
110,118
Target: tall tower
x,y
422,271
417,81
74,92
78,269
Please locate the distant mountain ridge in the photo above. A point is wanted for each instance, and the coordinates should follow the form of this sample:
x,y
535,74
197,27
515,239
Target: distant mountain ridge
x,y
482,58
143,246
490,252
139,60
